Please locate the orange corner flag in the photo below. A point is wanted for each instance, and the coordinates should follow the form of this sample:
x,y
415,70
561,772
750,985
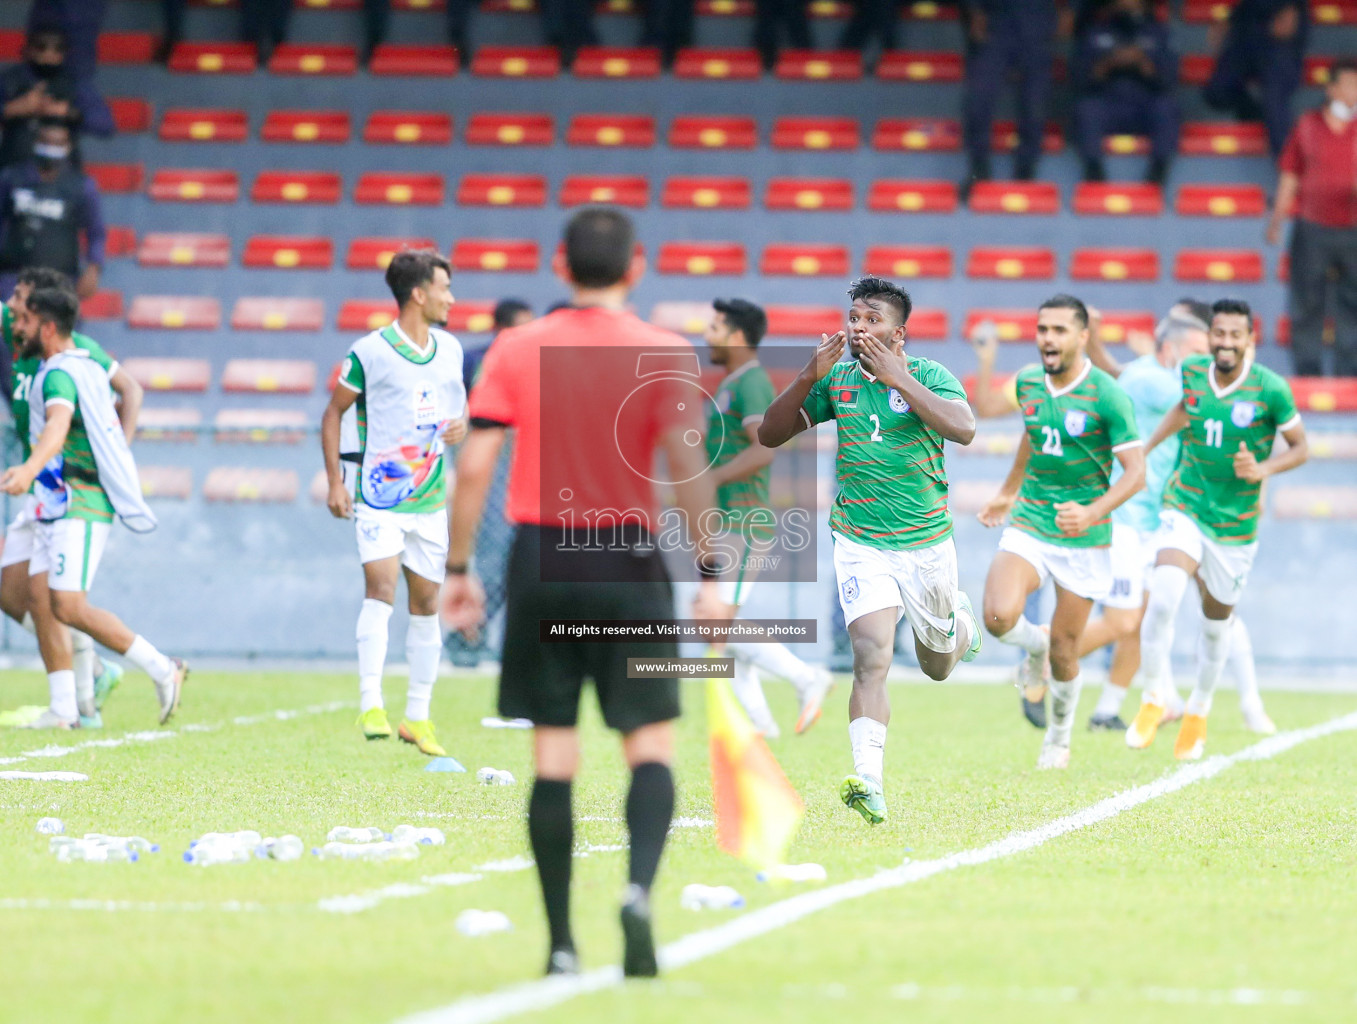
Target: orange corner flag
x,y
757,810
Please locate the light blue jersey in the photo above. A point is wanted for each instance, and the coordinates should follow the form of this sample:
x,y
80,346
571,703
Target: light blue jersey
x,y
1154,390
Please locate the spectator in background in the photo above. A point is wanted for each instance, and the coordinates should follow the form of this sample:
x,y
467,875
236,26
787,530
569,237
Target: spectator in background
x,y
1003,36
1263,47
871,18
377,18
508,313
1319,180
80,21
46,205
264,23
42,89
568,25
773,18
1124,73
668,25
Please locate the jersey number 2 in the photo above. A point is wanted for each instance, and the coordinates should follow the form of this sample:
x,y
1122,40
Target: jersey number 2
x,y
876,427
1051,444
1215,432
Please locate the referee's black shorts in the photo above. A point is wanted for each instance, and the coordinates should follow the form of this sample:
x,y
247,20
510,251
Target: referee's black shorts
x,y
542,681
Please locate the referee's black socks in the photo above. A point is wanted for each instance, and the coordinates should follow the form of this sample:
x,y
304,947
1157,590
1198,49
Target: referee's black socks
x,y
551,830
650,808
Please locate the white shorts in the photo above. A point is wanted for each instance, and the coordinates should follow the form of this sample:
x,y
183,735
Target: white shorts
x,y
1085,572
20,535
1132,559
920,583
69,551
1224,568
730,590
420,538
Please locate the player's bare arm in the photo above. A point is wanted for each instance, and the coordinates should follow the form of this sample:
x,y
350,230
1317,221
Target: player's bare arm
x,y
1297,451
130,395
18,479
783,419
989,401
997,508
1097,351
1174,421
1075,519
456,430
338,500
953,419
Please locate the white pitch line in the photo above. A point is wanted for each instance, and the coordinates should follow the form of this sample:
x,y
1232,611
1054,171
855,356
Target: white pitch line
x,y
112,906
548,992
400,890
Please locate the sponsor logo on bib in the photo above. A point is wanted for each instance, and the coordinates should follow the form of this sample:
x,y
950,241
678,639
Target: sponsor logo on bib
x,y
1076,422
426,403
897,402
1242,413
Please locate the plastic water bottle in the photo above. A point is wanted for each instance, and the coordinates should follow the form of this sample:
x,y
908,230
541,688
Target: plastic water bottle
x,y
245,836
495,777
482,922
345,834
367,851
414,834
287,847
134,843
794,873
51,827
93,852
208,853
710,897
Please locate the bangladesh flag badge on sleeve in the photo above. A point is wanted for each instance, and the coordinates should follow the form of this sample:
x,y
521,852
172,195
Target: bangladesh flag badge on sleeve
x,y
845,397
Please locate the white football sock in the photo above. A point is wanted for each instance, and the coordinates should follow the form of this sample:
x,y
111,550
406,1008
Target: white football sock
x,y
1064,703
749,692
373,621
149,660
82,662
61,688
423,644
28,624
777,660
867,737
1167,583
1241,666
1110,700
1212,651
1031,638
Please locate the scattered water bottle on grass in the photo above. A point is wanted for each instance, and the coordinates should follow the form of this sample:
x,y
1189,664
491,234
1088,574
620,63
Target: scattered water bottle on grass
x,y
475,923
287,847
51,827
415,834
345,834
495,777
710,897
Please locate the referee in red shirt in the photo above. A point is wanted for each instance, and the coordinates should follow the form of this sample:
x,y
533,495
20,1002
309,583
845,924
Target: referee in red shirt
x,y
588,392
1319,179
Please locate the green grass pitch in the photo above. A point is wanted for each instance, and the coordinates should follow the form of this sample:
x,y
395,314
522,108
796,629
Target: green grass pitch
x,y
1233,899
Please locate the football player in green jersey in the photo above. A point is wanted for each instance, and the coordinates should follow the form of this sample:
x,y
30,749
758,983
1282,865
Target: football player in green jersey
x,y
741,472
893,549
1230,415
1077,423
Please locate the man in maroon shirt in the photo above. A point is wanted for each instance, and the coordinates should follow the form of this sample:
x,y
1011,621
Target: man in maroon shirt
x,y
1319,182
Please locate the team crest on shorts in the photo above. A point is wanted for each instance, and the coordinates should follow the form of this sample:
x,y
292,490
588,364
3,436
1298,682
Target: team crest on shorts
x,y
897,401
850,589
1076,422
1242,413
369,530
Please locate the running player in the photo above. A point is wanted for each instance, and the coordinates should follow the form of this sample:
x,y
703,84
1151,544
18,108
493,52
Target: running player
x,y
893,549
85,475
1231,412
406,381
1061,495
740,472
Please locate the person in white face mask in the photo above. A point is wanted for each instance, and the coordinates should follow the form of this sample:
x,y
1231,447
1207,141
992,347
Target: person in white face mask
x,y
1319,183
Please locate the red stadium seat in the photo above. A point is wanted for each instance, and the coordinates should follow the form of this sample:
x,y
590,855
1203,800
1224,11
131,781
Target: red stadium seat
x,y
1115,265
725,8
1315,501
920,66
701,258
511,130
502,190
1117,325
1126,145
251,485
130,116
169,374
520,255
175,312
692,131
296,187
1333,12
809,194
400,189
913,196
213,58
287,376
188,125
819,65
125,48
706,193
117,178
1325,394
414,61
631,131
815,133
171,186
1315,70
260,426
277,314
1206,12
119,240
103,305
681,317
1013,324
1011,263
408,128
164,483
616,62
908,261
313,59
287,252
1218,265
614,189
718,64
1092,199
917,134
306,126
158,423
836,9
928,10
1220,201
509,6
476,316
376,253
804,260
928,325
1196,68
1021,197
1004,137
184,249
1222,138
516,62
803,321
362,315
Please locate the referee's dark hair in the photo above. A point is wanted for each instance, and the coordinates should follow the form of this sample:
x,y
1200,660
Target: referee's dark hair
x,y
599,244
57,306
883,291
744,316
1064,301
507,310
413,269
